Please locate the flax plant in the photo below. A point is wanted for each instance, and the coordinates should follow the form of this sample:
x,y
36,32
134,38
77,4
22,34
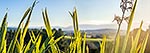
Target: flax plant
x,y
102,45
14,41
75,46
129,27
124,6
142,49
35,44
3,31
49,42
135,41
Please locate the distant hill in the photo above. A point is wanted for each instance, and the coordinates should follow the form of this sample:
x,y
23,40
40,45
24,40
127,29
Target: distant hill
x,y
107,29
99,32
81,26
11,28
92,27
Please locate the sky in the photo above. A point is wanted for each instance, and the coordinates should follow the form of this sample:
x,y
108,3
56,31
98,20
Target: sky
x,y
94,12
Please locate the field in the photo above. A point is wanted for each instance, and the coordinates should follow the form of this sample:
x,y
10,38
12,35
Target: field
x,y
48,40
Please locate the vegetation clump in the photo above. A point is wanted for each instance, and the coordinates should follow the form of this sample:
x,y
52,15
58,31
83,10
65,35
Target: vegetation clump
x,y
48,40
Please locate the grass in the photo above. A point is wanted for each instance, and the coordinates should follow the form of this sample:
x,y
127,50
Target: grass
x,y
77,45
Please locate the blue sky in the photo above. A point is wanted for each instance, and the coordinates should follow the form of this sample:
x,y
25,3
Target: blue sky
x,y
89,11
